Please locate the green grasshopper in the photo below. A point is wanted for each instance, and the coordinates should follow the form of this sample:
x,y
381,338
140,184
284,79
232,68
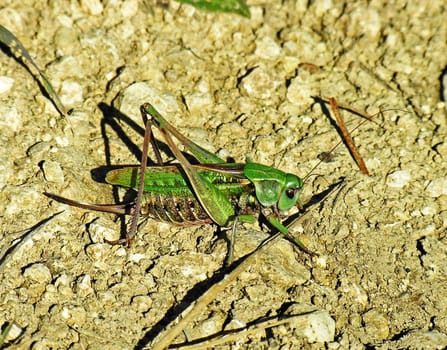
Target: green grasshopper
x,y
211,191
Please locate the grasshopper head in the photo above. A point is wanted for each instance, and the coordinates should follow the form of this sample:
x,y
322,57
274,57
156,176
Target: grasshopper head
x,y
274,187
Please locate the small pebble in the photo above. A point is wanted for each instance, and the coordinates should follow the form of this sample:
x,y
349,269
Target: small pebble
x,y
430,210
376,324
301,91
92,7
5,84
65,67
11,18
75,315
84,286
198,103
136,257
71,93
366,21
437,187
321,261
317,327
98,252
52,172
131,98
259,83
129,8
66,42
267,48
398,179
39,149
10,119
79,120
102,229
39,273
142,302
212,325
97,41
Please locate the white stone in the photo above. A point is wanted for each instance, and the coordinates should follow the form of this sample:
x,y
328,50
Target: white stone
x,y
131,98
377,324
300,91
198,102
437,187
98,252
10,119
93,7
430,209
322,7
71,93
321,261
39,149
319,327
11,19
366,21
66,42
136,257
98,41
84,286
102,229
398,179
75,315
53,172
5,84
121,251
129,8
267,48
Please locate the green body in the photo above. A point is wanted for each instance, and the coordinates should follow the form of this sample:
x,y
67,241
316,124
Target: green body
x,y
167,195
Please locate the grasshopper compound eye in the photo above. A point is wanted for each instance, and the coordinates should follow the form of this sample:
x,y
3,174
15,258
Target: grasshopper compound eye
x,y
291,192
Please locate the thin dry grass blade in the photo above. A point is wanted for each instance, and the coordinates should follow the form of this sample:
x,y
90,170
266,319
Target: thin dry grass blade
x,y
347,137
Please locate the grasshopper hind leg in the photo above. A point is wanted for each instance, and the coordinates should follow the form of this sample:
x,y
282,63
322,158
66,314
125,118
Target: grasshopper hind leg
x,y
118,209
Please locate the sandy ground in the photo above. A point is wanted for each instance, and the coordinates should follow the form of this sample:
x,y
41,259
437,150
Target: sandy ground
x,y
240,87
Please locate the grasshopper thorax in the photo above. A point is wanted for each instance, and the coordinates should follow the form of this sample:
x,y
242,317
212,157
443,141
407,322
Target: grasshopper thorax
x,y
274,187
